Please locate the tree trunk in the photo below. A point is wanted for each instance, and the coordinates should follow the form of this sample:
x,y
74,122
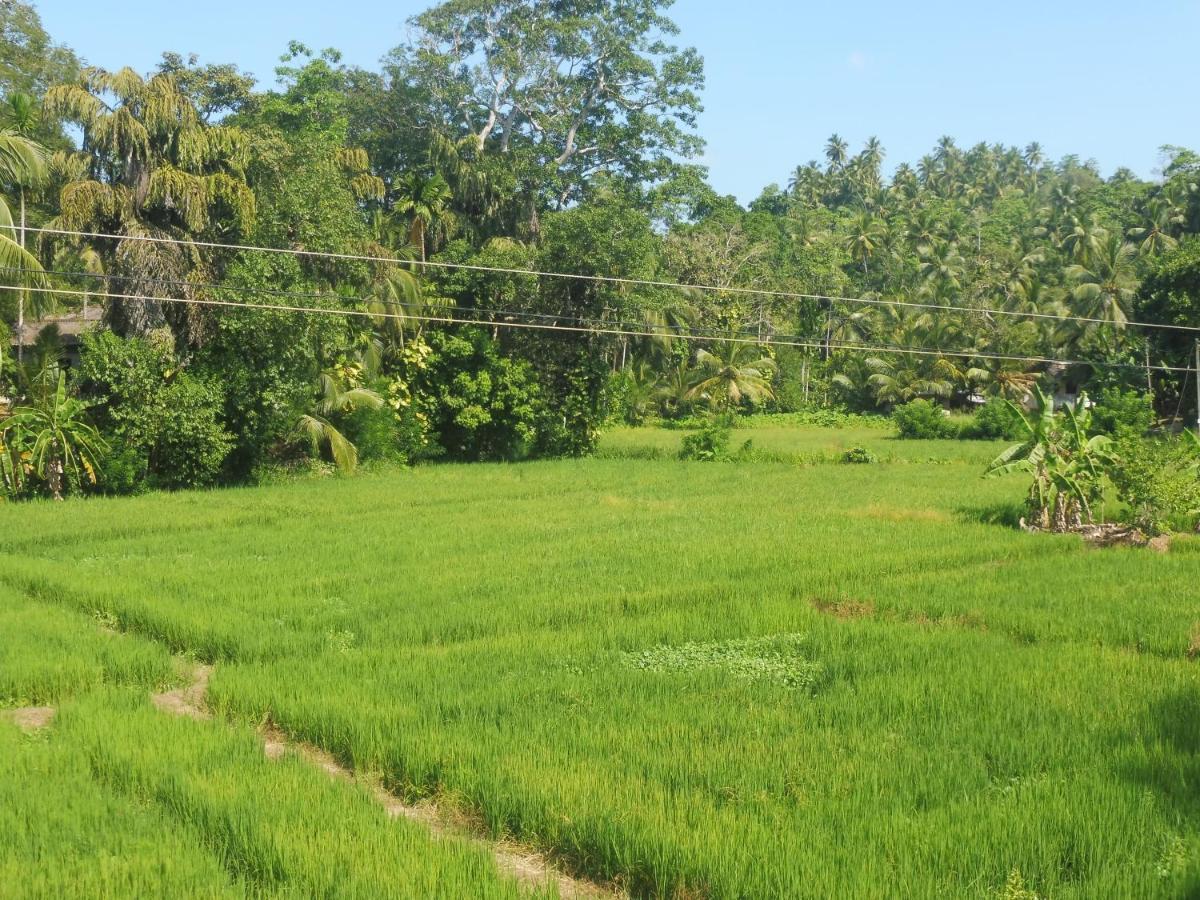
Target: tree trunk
x,y
1060,513
54,474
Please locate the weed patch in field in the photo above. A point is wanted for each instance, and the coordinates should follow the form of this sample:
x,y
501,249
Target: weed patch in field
x,y
778,660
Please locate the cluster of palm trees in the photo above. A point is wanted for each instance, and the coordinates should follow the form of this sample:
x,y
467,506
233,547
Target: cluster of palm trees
x,y
991,228
734,373
986,260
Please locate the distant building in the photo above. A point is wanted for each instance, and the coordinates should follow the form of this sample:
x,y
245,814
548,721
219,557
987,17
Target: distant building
x,y
70,328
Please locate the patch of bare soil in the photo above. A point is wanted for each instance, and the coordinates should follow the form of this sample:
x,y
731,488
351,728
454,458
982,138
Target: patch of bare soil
x,y
1193,650
844,609
527,867
30,718
189,699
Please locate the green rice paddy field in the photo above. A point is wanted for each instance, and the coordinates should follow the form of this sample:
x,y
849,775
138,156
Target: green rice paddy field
x,y
755,679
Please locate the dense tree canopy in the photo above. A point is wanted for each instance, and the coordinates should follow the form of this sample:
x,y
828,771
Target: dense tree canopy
x,y
509,137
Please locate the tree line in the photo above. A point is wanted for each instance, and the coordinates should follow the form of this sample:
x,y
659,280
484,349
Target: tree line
x,y
522,138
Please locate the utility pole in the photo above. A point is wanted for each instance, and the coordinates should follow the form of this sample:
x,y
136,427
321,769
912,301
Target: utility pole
x,y
21,291
1198,386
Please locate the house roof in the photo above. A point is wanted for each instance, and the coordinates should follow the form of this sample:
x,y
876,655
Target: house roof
x,y
70,325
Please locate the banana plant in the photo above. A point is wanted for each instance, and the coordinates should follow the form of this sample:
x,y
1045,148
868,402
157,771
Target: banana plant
x,y
50,438
1067,464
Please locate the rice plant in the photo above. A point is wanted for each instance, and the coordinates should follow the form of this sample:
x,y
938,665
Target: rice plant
x,y
724,680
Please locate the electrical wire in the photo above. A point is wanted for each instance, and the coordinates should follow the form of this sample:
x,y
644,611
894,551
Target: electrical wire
x,y
609,279
599,329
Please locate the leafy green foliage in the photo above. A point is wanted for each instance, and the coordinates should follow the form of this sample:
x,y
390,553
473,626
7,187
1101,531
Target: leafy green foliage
x,y
775,659
1159,480
924,420
163,423
267,361
1117,412
30,60
494,74
858,455
1066,459
479,405
710,443
50,441
994,420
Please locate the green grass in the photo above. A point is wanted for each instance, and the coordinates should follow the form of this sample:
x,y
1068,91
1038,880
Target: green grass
x,y
734,680
49,653
123,801
803,444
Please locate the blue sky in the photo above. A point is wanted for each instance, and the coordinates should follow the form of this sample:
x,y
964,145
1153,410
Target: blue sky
x,y
1106,80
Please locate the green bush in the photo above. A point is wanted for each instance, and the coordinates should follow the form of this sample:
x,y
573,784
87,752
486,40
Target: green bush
x,y
995,420
858,455
161,423
189,444
710,443
1159,480
923,419
1117,412
480,405
267,361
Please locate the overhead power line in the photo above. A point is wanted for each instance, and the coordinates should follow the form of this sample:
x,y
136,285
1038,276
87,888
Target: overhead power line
x,y
639,328
600,328
612,279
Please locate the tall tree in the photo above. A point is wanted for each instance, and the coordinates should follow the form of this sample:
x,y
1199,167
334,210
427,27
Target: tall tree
x,y
151,168
30,61
563,90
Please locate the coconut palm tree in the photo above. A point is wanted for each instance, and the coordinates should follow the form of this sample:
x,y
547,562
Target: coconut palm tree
x,y
1106,285
399,310
23,164
941,267
724,381
673,388
899,378
836,153
335,397
866,232
1154,237
1081,240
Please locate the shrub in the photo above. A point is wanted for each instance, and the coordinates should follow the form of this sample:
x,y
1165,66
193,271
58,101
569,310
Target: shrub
x,y
859,455
480,405
1158,479
162,423
995,420
188,444
710,443
923,419
1118,412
